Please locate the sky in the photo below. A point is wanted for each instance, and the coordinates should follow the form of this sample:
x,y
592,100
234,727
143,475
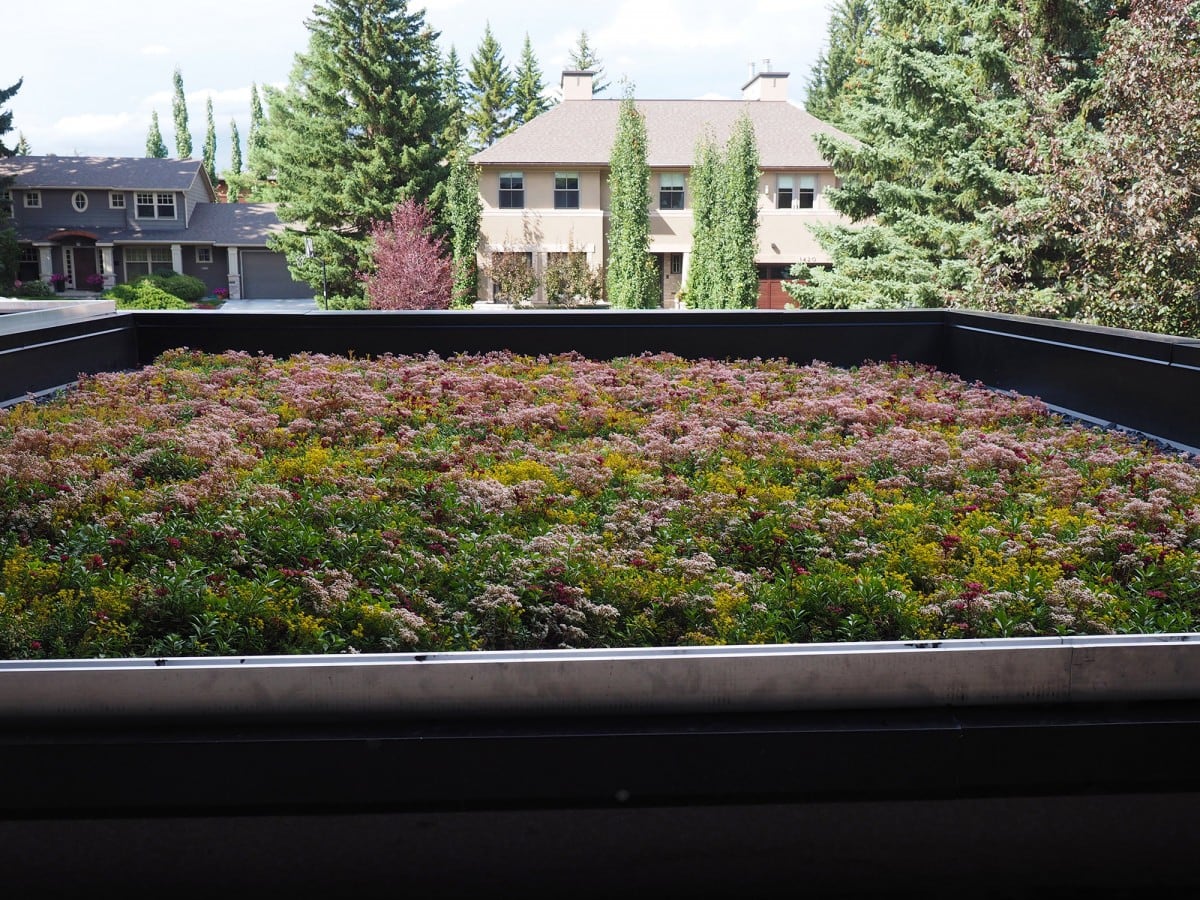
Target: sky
x,y
94,72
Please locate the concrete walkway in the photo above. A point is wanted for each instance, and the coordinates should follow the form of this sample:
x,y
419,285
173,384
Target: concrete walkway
x,y
289,305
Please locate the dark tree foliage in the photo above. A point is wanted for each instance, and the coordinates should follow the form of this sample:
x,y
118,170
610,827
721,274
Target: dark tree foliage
x,y
357,130
490,96
833,74
9,252
528,99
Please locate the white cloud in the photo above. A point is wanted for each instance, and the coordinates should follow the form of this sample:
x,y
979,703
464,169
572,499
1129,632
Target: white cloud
x,y
91,125
154,50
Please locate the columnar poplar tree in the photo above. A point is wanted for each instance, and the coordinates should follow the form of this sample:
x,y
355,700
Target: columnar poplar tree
x,y
702,289
739,218
849,24
257,162
156,148
235,182
528,100
722,273
631,278
463,211
210,141
490,101
22,145
183,136
356,131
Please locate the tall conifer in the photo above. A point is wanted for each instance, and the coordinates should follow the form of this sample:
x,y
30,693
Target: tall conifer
x,y
490,103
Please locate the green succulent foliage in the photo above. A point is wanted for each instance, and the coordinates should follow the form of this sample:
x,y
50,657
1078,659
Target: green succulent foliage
x,y
357,130
632,278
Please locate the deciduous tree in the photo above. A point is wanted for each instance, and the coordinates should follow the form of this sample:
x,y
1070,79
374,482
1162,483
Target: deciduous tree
x,y
463,211
631,277
156,148
409,269
179,112
210,141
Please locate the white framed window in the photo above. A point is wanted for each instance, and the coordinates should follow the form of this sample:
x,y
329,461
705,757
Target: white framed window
x,y
675,263
566,190
155,205
512,190
116,200
146,261
204,255
796,192
670,190
79,201
33,199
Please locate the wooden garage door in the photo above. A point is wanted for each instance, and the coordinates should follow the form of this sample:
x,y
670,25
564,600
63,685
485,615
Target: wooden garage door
x,y
265,276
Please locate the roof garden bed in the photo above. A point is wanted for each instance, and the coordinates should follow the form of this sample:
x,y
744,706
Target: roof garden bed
x,y
235,504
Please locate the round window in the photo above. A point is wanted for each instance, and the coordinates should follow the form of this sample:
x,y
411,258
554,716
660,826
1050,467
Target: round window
x,y
79,201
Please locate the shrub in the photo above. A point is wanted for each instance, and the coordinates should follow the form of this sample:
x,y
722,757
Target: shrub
x,y
514,278
185,287
570,281
33,289
145,294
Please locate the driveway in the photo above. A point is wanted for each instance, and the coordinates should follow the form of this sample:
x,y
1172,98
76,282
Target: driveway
x,y
307,304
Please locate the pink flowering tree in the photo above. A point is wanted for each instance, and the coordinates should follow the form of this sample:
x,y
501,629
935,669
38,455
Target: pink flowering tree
x,y
410,269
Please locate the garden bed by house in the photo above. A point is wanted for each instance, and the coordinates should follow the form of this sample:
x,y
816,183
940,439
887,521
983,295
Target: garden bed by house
x,y
241,504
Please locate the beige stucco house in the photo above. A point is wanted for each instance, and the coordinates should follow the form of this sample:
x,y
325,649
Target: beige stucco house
x,y
544,187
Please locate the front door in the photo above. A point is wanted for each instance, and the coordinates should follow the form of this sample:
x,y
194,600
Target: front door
x,y
85,265
672,278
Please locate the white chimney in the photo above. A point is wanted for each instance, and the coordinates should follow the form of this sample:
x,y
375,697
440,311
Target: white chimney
x,y
766,85
577,84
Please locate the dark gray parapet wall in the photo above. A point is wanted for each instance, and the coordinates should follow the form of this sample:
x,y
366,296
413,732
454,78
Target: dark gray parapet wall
x,y
1142,382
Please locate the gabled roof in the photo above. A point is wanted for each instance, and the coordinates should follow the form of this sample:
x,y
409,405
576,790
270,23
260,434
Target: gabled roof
x,y
113,173
581,132
222,224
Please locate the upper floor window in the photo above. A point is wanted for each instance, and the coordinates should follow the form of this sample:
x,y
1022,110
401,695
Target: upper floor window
x,y
512,190
796,191
116,200
566,190
155,206
33,199
79,200
670,190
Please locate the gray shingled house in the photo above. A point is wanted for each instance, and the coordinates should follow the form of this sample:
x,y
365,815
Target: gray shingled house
x,y
100,221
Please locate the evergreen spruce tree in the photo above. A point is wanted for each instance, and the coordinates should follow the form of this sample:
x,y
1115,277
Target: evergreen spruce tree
x,y
183,136
210,142
10,256
156,148
22,145
490,102
632,277
849,24
936,116
356,131
463,211
584,59
454,98
528,99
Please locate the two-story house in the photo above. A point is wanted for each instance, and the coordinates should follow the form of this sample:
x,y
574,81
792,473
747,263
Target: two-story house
x,y
100,221
544,188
